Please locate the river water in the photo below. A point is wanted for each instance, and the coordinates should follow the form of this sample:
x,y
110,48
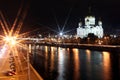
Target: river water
x,y
55,63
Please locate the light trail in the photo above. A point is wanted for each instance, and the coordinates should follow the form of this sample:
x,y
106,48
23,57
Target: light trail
x,y
4,22
66,19
62,30
3,27
16,19
57,22
22,20
69,31
48,28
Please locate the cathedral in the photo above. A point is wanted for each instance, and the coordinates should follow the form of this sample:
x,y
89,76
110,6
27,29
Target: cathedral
x,y
90,26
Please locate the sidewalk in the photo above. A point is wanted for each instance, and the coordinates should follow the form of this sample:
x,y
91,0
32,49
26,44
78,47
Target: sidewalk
x,y
24,70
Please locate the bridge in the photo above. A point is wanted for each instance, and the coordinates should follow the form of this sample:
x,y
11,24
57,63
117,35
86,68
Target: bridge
x,y
32,39
75,45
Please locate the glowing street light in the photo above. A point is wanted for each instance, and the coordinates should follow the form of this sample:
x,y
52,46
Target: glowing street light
x,y
10,40
60,33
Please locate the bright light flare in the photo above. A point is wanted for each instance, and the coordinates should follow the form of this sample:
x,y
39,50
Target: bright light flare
x,y
60,33
11,40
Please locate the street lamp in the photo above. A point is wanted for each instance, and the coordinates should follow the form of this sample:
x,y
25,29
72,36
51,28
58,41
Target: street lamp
x,y
60,33
11,40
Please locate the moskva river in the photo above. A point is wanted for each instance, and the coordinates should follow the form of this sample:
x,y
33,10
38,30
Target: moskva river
x,y
55,63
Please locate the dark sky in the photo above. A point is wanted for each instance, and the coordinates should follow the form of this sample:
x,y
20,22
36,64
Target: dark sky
x,y
44,14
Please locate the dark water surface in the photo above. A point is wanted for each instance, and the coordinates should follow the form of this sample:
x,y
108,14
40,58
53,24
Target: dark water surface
x,y
55,63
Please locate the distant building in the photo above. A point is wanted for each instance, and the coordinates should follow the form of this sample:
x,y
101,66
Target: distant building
x,y
90,27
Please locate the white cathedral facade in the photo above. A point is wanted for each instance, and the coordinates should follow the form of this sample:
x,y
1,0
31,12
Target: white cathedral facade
x,y
90,27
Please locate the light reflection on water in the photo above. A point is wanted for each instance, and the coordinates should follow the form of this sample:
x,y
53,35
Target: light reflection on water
x,y
46,57
76,64
61,61
88,60
52,59
88,52
106,65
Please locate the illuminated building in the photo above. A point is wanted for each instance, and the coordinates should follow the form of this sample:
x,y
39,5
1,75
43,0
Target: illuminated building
x,y
90,27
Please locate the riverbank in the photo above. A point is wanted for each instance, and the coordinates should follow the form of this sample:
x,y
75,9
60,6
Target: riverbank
x,y
84,46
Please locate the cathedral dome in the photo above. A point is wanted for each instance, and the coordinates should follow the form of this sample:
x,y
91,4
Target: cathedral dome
x,y
100,23
89,20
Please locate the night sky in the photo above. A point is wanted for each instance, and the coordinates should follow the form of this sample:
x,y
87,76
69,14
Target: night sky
x,y
47,14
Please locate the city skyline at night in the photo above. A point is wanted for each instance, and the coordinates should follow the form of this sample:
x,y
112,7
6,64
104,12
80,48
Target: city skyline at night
x,y
59,39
